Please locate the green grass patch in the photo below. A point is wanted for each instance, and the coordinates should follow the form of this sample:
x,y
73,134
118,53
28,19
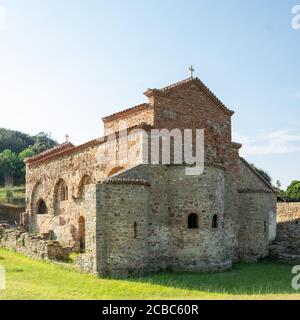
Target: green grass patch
x,y
33,279
12,195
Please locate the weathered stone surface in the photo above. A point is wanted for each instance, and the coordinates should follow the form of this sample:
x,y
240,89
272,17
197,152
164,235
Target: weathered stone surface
x,y
286,247
33,246
130,217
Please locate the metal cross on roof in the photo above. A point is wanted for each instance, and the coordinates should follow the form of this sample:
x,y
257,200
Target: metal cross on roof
x,y
191,70
67,137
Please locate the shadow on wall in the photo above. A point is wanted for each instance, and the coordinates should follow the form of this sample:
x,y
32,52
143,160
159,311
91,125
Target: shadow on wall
x,y
289,231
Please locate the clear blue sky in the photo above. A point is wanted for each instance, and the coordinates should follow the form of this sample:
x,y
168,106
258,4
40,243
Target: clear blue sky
x,y
64,64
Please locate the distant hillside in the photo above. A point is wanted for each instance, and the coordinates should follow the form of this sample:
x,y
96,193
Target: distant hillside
x,y
15,146
17,141
14,140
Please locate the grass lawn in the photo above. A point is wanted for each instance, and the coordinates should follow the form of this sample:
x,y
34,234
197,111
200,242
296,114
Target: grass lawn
x,y
32,279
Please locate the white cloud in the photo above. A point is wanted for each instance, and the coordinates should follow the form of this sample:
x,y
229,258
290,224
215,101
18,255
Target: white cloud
x,y
275,142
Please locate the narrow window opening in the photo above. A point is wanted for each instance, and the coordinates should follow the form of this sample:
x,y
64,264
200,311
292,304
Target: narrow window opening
x,y
64,192
41,207
135,230
193,221
265,226
215,222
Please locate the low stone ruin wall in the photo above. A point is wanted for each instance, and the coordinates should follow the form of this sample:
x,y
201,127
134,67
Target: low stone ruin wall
x,y
288,221
10,213
33,246
286,247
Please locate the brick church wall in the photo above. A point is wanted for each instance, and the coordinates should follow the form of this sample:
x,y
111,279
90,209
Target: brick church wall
x,y
130,118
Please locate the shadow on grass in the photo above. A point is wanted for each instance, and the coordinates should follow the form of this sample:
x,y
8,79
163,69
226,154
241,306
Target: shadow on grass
x,y
264,277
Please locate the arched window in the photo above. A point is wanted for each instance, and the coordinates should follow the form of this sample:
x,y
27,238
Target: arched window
x,y
214,224
135,230
64,193
41,207
193,221
60,194
85,180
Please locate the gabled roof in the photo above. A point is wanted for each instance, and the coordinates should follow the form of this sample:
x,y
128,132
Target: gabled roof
x,y
50,152
126,111
68,148
167,89
257,174
187,82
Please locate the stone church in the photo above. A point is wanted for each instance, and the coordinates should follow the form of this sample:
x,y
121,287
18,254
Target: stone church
x,y
129,217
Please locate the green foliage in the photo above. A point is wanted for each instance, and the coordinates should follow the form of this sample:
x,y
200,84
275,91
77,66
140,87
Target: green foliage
x,y
9,164
15,147
26,153
293,191
14,140
43,142
281,194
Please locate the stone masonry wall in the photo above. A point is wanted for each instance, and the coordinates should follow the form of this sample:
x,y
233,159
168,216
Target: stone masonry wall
x,y
122,228
254,221
288,221
38,247
257,207
203,248
86,261
76,171
286,246
161,212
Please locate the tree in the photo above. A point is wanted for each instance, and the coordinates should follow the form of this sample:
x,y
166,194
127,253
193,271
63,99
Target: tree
x,y
281,194
15,146
9,163
293,191
43,142
278,184
27,153
14,140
